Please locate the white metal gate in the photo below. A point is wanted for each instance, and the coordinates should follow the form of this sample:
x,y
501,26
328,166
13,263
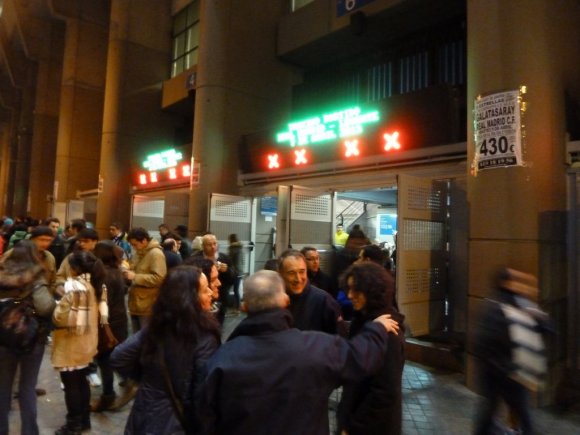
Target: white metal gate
x,y
229,214
422,253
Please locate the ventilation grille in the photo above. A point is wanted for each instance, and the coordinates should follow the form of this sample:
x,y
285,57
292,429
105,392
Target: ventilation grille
x,y
148,208
419,235
231,210
423,280
425,198
311,207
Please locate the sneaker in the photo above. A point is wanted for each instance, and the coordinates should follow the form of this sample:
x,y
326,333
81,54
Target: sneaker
x,y
94,380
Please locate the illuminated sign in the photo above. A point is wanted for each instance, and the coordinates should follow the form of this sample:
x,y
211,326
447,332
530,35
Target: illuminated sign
x,y
351,148
392,141
330,126
165,169
163,160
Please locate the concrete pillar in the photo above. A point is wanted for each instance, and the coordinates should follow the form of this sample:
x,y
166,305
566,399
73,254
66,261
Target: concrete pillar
x,y
241,88
210,109
517,214
110,170
81,107
133,125
45,121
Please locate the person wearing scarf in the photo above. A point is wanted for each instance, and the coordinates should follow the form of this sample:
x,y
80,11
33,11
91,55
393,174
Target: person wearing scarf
x,y
75,338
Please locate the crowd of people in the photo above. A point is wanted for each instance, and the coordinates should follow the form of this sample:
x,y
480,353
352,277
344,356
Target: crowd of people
x,y
164,302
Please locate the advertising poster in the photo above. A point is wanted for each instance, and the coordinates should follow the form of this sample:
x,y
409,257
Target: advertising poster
x,y
497,131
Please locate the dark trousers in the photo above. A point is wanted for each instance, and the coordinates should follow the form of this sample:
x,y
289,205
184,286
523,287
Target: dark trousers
x,y
496,386
139,322
107,375
237,281
29,366
77,396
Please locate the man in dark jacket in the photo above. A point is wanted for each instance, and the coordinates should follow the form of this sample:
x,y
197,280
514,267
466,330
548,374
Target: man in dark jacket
x,y
270,378
315,275
313,309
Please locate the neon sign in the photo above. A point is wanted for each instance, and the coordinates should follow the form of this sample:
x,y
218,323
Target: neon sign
x,y
351,148
330,126
163,160
392,141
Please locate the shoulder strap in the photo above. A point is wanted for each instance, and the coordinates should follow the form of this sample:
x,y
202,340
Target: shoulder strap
x,y
177,404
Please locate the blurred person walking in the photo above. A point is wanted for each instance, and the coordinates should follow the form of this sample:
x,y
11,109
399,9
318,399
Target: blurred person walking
x,y
22,277
168,356
509,345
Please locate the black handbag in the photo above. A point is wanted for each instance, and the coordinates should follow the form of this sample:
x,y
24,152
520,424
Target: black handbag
x,y
19,326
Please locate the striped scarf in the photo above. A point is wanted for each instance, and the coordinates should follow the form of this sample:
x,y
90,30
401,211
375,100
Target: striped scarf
x,y
78,316
528,349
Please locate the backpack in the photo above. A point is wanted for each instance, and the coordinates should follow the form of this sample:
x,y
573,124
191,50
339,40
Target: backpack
x,y
19,326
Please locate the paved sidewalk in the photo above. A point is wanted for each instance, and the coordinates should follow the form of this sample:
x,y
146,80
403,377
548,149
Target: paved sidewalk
x,y
434,403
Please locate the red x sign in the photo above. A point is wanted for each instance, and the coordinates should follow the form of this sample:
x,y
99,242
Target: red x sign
x,y
392,141
351,148
300,157
273,161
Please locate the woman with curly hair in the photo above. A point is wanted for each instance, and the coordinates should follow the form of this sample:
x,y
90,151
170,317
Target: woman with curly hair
x,y
374,405
22,277
169,354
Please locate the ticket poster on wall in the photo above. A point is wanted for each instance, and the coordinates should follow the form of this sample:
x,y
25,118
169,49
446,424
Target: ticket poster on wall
x,y
498,130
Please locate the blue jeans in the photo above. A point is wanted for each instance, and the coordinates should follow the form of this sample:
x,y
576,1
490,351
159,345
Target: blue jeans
x,y
29,366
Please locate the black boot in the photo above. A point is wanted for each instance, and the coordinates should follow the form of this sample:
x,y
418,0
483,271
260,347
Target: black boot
x,y
73,426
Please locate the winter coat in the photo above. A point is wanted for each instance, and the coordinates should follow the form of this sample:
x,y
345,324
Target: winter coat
x,y
150,270
270,378
314,310
235,254
373,406
116,291
153,411
70,349
32,282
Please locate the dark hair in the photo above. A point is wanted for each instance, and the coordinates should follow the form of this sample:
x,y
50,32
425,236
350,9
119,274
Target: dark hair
x,y
78,224
181,230
117,225
51,219
233,238
41,230
375,283
23,260
86,262
357,233
289,253
88,233
109,253
139,234
205,264
272,264
306,249
177,312
373,253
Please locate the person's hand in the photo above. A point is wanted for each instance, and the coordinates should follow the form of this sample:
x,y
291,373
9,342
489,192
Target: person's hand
x,y
389,324
59,291
222,267
129,274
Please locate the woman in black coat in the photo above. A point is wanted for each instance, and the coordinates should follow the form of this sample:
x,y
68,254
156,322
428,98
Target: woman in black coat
x,y
111,255
374,405
168,357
